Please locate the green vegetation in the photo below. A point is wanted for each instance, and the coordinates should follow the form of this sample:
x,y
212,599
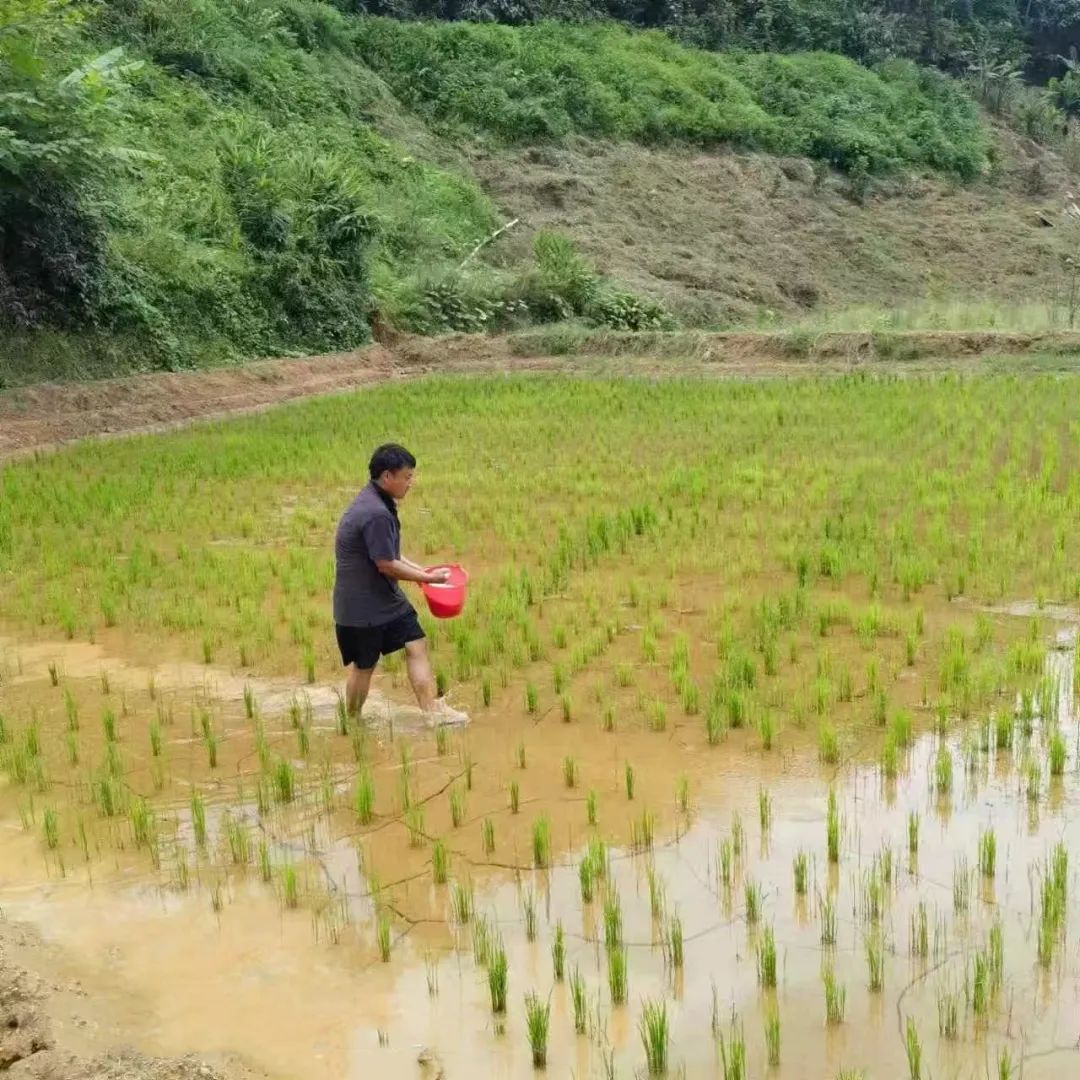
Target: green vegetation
x,y
224,181
608,82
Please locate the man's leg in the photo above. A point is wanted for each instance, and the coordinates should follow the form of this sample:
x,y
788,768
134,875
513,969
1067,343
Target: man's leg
x,y
420,674
357,684
423,683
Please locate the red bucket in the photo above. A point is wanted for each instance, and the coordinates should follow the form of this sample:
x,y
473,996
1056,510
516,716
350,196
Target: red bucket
x,y
446,600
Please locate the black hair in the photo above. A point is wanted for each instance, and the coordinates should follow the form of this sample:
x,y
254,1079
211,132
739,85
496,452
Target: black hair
x,y
389,458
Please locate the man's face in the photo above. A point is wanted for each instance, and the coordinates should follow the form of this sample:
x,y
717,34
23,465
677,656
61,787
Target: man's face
x,y
397,483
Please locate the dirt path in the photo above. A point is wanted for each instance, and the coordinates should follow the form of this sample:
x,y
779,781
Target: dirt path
x,y
48,415
52,1028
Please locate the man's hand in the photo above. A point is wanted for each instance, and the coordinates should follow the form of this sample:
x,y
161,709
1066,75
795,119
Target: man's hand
x,y
404,570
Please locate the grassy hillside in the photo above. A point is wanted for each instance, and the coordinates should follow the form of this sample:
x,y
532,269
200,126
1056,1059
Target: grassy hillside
x,y
258,179
541,83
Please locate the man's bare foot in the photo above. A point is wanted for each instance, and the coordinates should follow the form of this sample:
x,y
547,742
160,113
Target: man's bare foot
x,y
442,715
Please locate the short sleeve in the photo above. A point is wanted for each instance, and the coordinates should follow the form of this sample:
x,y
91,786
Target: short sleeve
x,y
378,533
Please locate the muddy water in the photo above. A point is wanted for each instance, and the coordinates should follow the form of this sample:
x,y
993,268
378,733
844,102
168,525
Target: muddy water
x,y
299,994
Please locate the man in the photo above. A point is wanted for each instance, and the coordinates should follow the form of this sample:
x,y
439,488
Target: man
x,y
372,614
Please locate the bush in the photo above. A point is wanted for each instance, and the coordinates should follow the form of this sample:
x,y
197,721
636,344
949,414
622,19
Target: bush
x,y
543,82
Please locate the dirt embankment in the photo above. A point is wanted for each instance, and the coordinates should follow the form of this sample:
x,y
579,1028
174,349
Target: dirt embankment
x,y
48,415
36,997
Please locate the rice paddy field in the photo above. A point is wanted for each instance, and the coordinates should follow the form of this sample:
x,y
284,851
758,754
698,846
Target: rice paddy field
x,y
773,768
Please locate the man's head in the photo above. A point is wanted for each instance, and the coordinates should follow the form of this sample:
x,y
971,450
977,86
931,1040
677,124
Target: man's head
x,y
391,468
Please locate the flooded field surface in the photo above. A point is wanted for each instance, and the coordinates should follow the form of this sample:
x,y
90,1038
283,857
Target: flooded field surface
x,y
773,768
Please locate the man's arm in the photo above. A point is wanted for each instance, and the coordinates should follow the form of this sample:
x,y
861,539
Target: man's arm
x,y
403,570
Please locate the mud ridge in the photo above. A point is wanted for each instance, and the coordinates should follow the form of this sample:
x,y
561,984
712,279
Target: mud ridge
x,y
49,415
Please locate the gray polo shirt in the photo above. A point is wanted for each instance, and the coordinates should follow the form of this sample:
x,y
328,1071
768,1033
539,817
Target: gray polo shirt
x,y
369,532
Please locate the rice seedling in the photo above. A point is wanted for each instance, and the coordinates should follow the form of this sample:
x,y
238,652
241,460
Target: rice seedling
x,y
515,796
558,952
655,1036
51,828
541,842
961,885
364,797
656,892
800,867
607,717
827,913
725,863
738,835
440,863
919,942
980,984
590,807
284,781
613,924
211,742
461,902
913,1047
873,895
1002,731
772,1035
733,1053
580,1001
484,941
537,1018
587,880
1034,780
682,795
498,979
239,840
617,972
265,867
766,958
414,823
198,819
875,961
987,853
943,771
487,836
629,781
567,707
1005,1067
890,759
570,772
835,997
71,710
457,806
528,912
765,806
832,828
913,833
900,729
753,901
715,723
383,936
948,1011
1057,756
71,740
532,698
675,941
108,723
290,886
995,955
519,755
828,743
767,730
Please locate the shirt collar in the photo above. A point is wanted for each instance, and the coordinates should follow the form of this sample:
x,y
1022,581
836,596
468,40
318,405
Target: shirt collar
x,y
388,500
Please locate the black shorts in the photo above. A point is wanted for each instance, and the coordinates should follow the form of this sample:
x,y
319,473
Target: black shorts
x,y
363,645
